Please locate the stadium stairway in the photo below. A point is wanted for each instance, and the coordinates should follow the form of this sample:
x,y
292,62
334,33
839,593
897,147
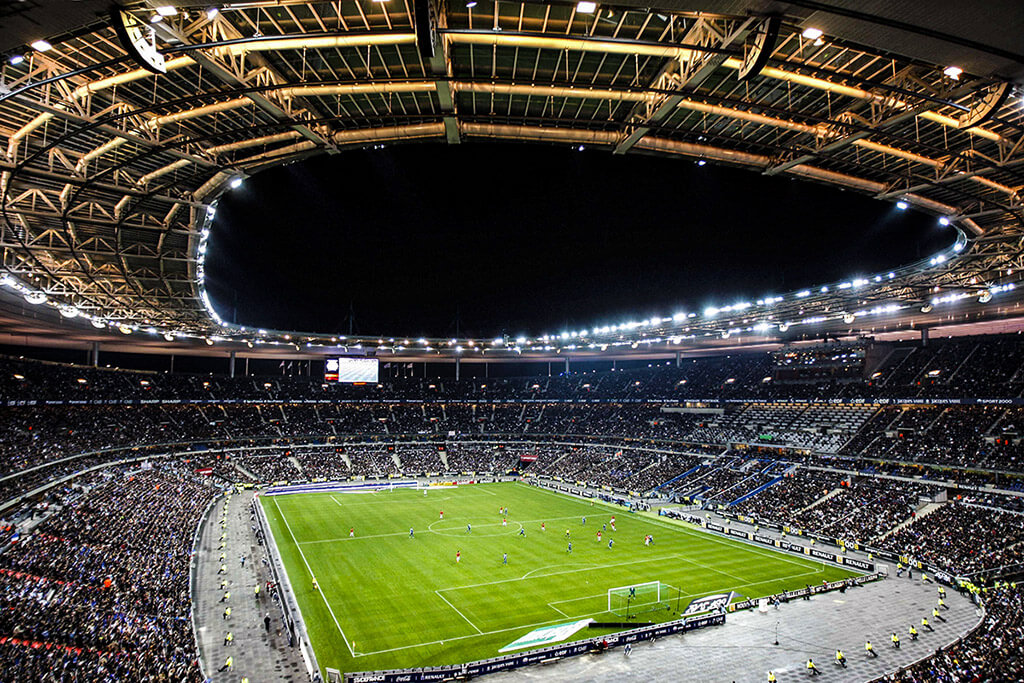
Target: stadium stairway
x,y
258,653
680,477
831,494
249,475
919,513
756,491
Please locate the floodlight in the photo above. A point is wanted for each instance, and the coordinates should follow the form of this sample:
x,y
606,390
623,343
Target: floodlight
x,y
953,72
943,221
41,45
15,60
470,4
212,13
902,205
235,182
811,33
585,7
166,10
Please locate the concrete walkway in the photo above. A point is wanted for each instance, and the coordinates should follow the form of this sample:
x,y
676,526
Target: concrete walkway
x,y
258,654
743,650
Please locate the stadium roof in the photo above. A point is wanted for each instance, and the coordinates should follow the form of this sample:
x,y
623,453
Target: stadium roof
x,y
112,172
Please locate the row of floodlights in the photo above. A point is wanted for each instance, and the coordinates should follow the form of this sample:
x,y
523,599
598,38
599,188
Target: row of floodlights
x,y
578,339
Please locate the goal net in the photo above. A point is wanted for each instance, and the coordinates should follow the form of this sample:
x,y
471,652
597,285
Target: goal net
x,y
625,601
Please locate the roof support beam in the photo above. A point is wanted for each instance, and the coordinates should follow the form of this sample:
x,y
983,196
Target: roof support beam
x,y
678,74
228,76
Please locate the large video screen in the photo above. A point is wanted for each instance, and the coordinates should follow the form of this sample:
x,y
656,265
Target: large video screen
x,y
351,370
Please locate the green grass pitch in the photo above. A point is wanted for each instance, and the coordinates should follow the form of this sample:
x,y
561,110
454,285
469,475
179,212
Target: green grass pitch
x,y
388,600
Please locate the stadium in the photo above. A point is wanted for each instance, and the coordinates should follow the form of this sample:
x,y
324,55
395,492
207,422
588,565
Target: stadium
x,y
779,441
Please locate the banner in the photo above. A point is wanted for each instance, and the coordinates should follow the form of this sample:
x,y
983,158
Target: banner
x,y
516,661
709,603
547,635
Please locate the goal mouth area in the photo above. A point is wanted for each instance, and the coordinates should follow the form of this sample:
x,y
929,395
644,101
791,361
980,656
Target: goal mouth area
x,y
640,598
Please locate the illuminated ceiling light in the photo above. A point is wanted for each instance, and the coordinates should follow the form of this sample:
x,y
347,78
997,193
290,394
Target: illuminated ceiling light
x,y
235,182
985,297
35,298
168,336
98,324
902,205
927,308
166,11
212,13
124,329
701,162
585,7
470,4
69,311
944,221
953,72
41,45
155,18
15,60
811,33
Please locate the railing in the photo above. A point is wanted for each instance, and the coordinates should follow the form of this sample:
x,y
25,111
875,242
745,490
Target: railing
x,y
192,579
289,605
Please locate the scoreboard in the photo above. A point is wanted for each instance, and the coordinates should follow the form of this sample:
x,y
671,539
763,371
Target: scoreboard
x,y
352,370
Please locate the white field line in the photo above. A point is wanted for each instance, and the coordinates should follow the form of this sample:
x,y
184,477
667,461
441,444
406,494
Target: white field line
x,y
525,576
440,532
555,621
386,502
778,555
310,570
457,611
711,569
552,606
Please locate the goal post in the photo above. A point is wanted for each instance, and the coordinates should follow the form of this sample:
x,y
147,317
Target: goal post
x,y
637,598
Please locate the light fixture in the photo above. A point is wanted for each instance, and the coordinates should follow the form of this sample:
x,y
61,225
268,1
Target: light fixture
x,y
41,45
35,298
212,13
15,60
585,7
98,324
701,162
235,182
985,296
155,18
811,33
470,4
953,72
943,221
166,10
902,205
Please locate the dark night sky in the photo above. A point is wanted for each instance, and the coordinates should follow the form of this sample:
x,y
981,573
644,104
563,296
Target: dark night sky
x,y
532,239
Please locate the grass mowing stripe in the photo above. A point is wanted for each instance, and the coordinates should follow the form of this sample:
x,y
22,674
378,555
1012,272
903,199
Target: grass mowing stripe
x,y
387,587
313,576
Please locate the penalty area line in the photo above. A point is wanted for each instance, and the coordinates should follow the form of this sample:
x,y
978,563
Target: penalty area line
x,y
566,616
457,611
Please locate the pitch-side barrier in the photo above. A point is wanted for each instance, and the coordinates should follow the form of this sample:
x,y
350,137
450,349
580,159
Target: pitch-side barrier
x,y
544,655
